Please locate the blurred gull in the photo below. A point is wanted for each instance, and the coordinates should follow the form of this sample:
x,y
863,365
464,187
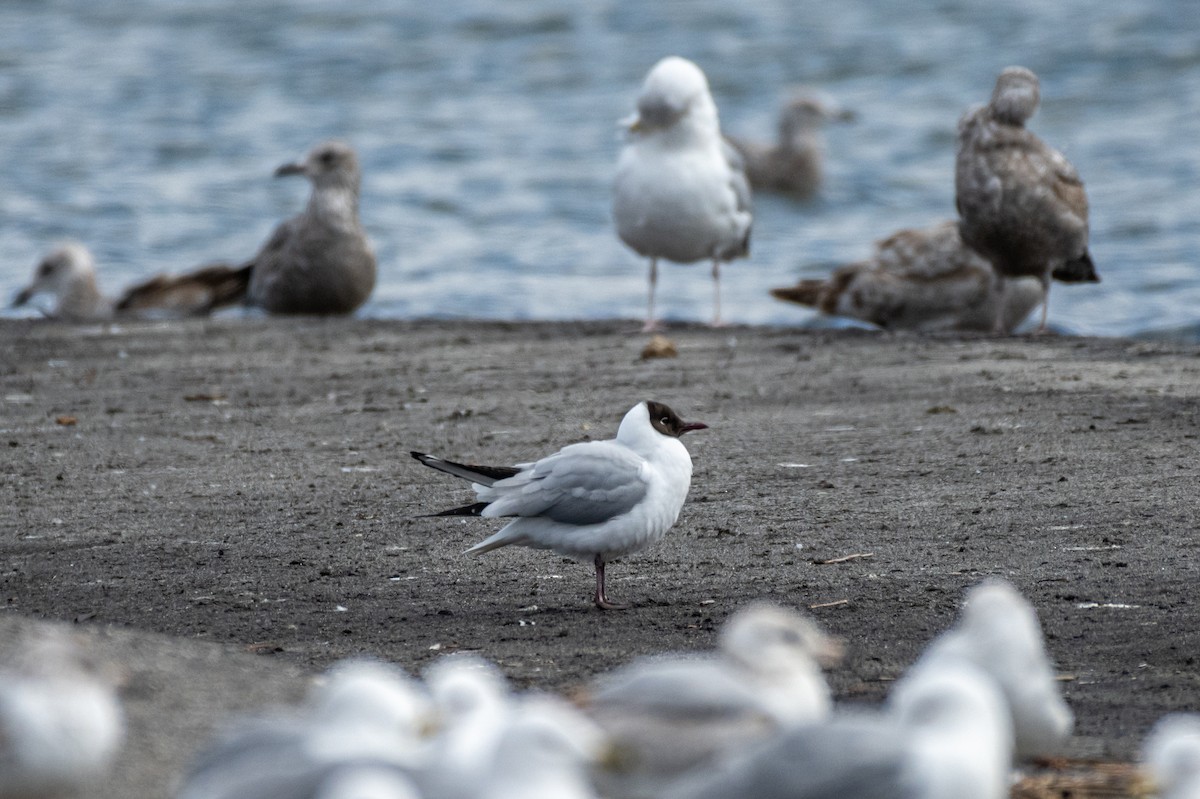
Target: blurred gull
x,y
1171,754
367,782
472,703
317,262
680,191
920,279
793,163
68,273
543,752
61,725
668,714
998,631
1021,202
593,501
366,715
945,735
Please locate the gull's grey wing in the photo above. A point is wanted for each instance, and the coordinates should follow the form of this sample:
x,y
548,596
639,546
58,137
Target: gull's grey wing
x,y
270,261
676,685
863,758
586,483
738,181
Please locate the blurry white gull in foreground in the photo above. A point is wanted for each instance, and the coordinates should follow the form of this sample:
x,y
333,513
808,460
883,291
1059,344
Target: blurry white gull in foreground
x,y
367,782
1171,755
945,735
921,279
61,725
998,631
671,713
1020,202
793,163
543,751
680,191
472,704
317,262
366,717
592,501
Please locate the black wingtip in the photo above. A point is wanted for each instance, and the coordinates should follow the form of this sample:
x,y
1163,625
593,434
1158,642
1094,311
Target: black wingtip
x,y
475,509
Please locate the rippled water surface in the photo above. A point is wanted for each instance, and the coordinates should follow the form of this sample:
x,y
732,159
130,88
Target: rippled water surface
x,y
149,130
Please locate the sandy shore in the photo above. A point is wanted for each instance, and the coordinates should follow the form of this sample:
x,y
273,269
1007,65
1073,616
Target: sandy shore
x,y
225,506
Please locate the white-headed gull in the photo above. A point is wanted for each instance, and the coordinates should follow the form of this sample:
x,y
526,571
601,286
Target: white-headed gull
x,y
998,631
61,725
1021,202
944,735
592,501
543,751
472,703
670,713
1171,754
680,191
365,716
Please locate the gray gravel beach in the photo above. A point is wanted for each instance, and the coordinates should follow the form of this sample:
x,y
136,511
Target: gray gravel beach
x,y
224,507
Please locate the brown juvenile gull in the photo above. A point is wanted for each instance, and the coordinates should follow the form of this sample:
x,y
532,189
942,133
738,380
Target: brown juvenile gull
x,y
1021,203
317,262
592,501
922,279
793,163
68,273
680,191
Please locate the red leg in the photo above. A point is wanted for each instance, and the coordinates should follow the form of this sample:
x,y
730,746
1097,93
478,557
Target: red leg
x,y
601,599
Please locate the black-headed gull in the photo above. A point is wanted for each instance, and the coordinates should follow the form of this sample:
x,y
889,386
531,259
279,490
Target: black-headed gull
x,y
317,262
1021,202
592,501
680,191
922,279
998,631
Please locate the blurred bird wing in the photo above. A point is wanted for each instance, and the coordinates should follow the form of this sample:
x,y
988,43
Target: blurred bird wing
x,y
864,759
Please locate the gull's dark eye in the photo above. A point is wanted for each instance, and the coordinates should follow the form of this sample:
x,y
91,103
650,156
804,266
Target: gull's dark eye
x,y
326,157
665,422
45,269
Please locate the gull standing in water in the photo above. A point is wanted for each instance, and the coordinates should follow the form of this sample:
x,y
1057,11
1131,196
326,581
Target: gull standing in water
x,y
317,262
595,500
1021,203
680,191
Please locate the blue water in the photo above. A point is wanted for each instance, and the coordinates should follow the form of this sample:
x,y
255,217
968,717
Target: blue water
x,y
149,129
